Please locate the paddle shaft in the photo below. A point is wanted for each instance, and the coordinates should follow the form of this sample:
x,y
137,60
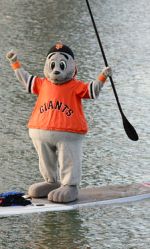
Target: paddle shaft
x,y
127,126
104,56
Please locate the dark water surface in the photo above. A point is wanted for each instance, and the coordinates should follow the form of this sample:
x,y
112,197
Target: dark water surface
x,y
31,28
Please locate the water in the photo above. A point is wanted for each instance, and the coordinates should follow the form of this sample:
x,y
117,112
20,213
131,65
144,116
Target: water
x,y
31,27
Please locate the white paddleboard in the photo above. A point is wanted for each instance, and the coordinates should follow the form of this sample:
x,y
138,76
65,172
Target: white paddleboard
x,y
88,197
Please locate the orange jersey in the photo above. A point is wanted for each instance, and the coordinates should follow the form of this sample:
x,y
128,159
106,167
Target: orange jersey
x,y
59,107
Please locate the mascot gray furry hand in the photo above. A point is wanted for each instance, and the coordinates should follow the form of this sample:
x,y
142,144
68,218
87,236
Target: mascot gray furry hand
x,y
57,124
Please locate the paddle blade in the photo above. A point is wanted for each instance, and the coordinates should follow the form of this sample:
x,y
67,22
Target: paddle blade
x,y
129,129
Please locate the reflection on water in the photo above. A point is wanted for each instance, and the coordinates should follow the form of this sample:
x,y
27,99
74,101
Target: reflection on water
x,y
31,27
57,230
105,227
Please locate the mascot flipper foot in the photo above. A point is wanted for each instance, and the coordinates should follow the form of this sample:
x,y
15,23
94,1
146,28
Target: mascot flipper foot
x,y
64,194
41,189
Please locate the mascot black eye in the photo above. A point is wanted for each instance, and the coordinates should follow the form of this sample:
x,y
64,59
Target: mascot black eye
x,y
52,65
63,65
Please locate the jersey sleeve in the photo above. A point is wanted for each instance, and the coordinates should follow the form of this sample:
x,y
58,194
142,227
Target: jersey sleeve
x,y
34,84
85,90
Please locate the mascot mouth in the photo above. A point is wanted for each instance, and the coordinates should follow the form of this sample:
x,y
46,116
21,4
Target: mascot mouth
x,y
57,79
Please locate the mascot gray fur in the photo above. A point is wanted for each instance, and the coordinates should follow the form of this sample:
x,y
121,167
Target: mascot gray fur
x,y
57,125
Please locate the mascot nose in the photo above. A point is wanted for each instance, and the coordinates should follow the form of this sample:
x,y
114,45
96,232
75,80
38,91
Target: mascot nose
x,y
56,72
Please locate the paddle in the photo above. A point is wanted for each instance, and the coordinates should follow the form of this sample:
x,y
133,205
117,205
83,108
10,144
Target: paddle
x,y
129,129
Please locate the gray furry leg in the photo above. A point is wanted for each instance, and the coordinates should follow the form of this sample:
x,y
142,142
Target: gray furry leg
x,y
69,157
46,149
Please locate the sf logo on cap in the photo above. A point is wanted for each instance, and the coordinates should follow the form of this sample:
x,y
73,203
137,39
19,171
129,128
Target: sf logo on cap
x,y
59,45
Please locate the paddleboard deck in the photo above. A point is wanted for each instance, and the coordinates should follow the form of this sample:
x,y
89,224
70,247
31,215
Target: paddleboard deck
x,y
88,197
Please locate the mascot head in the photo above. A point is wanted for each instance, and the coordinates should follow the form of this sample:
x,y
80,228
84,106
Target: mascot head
x,y
60,65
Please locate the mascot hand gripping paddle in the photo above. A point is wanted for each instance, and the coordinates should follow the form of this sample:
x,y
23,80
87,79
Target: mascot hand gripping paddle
x,y
57,125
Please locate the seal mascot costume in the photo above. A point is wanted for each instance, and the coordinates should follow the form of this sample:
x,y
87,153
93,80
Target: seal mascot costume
x,y
57,124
